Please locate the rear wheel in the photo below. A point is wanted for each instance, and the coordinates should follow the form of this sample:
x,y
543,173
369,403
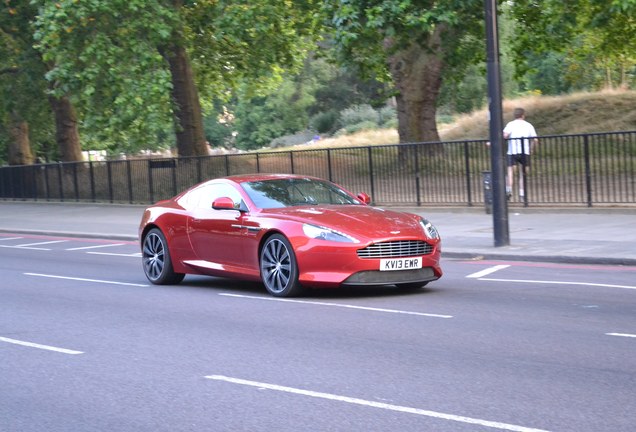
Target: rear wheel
x,y
156,259
279,270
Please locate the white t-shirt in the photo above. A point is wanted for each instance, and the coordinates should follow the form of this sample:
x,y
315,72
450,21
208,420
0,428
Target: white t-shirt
x,y
519,128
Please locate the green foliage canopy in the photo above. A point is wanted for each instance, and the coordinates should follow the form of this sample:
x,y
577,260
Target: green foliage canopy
x,y
368,32
110,55
591,35
22,85
104,55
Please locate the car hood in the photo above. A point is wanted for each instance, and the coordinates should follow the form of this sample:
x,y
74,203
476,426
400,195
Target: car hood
x,y
356,220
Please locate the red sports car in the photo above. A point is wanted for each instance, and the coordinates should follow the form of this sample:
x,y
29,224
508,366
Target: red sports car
x,y
288,231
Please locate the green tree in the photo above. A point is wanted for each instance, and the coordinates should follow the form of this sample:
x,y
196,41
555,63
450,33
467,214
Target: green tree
x,y
104,57
25,108
260,120
311,99
413,44
595,38
133,64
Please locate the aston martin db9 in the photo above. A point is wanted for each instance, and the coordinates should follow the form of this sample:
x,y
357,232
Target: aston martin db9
x,y
288,231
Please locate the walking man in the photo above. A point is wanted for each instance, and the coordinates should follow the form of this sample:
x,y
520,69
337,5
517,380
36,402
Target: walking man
x,y
522,138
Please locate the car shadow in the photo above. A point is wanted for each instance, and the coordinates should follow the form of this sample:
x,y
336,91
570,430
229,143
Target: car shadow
x,y
257,289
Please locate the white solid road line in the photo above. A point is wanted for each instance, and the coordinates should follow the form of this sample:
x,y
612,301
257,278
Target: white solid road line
x,y
95,246
622,335
40,243
31,245
348,306
374,404
130,255
85,280
488,271
39,346
560,283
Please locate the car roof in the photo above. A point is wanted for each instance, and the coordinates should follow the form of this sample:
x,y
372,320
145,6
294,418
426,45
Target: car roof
x,y
242,178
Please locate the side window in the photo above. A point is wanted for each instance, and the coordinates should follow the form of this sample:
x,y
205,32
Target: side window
x,y
212,192
204,196
191,200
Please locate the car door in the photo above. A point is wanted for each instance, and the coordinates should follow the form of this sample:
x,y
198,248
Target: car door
x,y
216,235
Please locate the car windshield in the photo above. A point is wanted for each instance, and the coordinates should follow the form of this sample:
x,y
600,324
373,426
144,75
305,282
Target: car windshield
x,y
278,193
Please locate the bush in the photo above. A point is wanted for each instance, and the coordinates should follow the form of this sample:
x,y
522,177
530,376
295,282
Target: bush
x,y
324,122
364,125
292,140
359,114
387,117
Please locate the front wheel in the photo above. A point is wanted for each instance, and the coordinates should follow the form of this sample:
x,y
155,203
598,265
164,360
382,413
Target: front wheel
x,y
279,270
156,259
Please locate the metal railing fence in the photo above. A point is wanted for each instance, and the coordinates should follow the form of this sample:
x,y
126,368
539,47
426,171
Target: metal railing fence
x,y
579,170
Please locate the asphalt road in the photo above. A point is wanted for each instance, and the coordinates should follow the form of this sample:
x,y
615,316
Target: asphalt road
x,y
86,344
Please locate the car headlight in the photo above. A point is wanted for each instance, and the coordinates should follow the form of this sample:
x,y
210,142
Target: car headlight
x,y
429,229
322,233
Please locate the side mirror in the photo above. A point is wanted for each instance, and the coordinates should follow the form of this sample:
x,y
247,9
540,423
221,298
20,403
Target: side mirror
x,y
364,198
223,203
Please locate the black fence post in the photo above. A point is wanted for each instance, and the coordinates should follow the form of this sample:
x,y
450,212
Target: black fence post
x,y
467,165
291,161
109,171
588,170
371,179
524,176
418,186
174,176
60,184
76,181
92,180
46,181
34,180
130,188
150,184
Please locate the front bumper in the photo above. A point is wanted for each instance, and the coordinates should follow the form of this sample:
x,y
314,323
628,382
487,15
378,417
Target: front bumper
x,y
376,277
330,266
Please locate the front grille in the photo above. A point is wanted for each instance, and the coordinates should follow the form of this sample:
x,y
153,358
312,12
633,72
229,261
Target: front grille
x,y
396,249
377,277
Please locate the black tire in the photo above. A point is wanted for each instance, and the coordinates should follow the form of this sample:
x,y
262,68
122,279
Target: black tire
x,y
156,259
279,270
411,285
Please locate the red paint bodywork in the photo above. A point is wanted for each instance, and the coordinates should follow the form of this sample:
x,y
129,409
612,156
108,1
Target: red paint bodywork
x,y
226,242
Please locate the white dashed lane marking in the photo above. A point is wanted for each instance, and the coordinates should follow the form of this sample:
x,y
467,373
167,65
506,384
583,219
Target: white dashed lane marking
x,y
374,404
39,346
487,271
346,306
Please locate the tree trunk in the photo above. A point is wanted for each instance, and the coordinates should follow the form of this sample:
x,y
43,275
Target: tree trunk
x,y
417,75
66,131
189,121
19,144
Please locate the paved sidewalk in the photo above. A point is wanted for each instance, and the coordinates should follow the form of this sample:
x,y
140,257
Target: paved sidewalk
x,y
590,236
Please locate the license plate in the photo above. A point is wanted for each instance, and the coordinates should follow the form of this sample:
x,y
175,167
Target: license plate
x,y
400,264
